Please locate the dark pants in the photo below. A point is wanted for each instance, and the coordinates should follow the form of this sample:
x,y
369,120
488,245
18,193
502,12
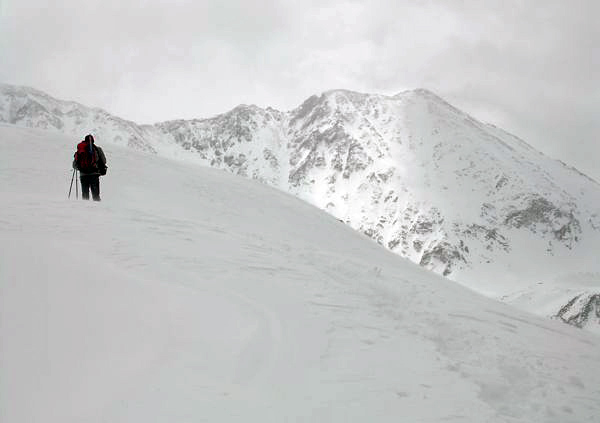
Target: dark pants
x,y
90,182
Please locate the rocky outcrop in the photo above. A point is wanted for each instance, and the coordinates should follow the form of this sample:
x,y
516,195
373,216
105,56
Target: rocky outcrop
x,y
582,311
539,214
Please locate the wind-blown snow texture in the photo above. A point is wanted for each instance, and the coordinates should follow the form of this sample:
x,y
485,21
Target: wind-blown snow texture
x,y
423,179
193,295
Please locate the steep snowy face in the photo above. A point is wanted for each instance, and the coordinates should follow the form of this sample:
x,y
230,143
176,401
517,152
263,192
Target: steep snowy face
x,y
431,183
331,141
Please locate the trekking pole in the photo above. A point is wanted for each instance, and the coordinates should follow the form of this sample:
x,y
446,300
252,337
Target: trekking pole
x,y
71,187
77,187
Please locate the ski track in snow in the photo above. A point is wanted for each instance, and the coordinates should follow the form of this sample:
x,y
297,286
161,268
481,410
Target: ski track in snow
x,y
189,294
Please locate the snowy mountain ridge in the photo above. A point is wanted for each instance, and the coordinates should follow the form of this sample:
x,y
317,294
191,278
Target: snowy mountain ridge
x,y
420,177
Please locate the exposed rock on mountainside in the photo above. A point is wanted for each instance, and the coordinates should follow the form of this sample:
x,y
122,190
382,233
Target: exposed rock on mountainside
x,y
541,213
582,311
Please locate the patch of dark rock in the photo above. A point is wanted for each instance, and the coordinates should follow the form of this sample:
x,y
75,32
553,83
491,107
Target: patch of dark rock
x,y
591,308
540,211
501,182
445,253
394,243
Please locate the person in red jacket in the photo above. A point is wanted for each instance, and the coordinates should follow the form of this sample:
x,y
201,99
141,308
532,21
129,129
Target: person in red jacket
x,y
90,161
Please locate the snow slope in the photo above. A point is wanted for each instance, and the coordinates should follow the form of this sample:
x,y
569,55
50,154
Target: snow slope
x,y
190,294
423,179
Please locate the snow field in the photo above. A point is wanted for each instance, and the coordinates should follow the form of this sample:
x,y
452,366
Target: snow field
x,y
190,294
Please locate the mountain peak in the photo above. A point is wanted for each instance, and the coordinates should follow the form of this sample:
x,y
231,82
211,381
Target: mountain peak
x,y
423,94
415,92
341,91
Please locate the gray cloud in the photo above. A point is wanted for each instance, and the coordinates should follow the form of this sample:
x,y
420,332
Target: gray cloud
x,y
530,68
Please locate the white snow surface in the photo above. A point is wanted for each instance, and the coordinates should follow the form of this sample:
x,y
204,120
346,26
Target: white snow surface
x,y
190,294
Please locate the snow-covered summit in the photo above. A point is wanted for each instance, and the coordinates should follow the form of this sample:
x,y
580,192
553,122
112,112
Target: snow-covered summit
x,y
422,178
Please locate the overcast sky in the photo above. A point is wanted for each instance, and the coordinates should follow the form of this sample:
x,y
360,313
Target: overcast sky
x,y
530,67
